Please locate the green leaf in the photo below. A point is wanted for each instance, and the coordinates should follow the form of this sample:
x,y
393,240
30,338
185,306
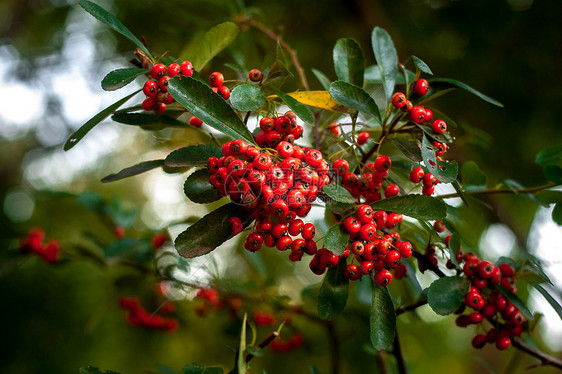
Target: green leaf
x,y
354,97
82,131
121,248
553,173
387,59
194,155
95,370
454,83
549,196
247,97
557,214
111,21
336,239
333,293
454,248
120,78
313,369
133,170
421,65
349,61
240,359
208,233
471,175
196,369
446,172
322,78
149,121
382,319
548,298
198,189
208,106
300,110
214,41
517,302
445,295
408,148
550,156
338,193
417,206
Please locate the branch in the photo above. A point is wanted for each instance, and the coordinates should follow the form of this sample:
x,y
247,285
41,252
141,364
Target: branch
x,y
397,352
408,308
491,191
242,20
545,359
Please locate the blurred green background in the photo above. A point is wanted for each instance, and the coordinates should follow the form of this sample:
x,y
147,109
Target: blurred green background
x,y
52,58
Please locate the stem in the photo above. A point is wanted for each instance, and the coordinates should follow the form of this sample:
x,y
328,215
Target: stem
x,y
397,352
408,308
491,191
384,135
427,262
242,20
334,348
264,343
545,359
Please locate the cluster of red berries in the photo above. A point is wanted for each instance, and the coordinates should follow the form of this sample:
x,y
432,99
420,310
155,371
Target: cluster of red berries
x,y
428,180
156,89
488,303
33,242
211,300
369,183
138,316
287,345
277,129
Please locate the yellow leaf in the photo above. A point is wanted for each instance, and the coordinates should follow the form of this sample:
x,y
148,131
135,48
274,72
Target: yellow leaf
x,y
319,99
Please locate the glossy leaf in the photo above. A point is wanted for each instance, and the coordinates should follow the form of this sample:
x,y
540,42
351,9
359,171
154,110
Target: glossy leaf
x,y
194,155
445,295
464,86
333,293
92,122
454,247
208,106
247,97
446,172
120,78
387,59
208,233
349,61
417,206
471,175
557,213
553,173
373,75
300,110
548,298
319,99
336,239
421,65
517,302
133,170
198,189
148,120
322,78
212,42
354,97
382,319
111,21
550,156
410,149
338,193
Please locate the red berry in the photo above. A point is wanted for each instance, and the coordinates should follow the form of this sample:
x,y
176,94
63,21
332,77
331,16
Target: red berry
x,y
391,190
429,180
313,157
352,225
340,166
428,115
399,100
439,225
266,124
417,114
282,124
308,231
479,341
195,122
365,213
507,270
278,230
392,259
416,175
255,75
157,71
400,271
439,126
362,137
159,108
368,232
382,163
254,241
383,277
149,103
393,219
334,128
475,318
295,227
235,225
357,248
186,68
163,83
262,161
150,88
421,87
485,269
284,243
408,106
503,343
173,69
351,271
216,79
119,232
285,149
224,92
405,249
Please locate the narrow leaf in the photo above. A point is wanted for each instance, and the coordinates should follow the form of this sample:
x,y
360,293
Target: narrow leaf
x,y
515,300
111,21
421,65
247,97
387,59
133,170
198,189
382,319
240,359
148,120
349,61
120,78
208,233
408,148
446,172
319,99
338,193
208,106
82,131
333,293
322,78
464,86
214,41
548,298
454,247
336,239
194,155
417,206
354,97
300,110
445,295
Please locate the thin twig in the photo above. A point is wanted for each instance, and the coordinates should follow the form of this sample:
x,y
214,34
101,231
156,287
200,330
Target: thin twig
x,y
491,191
334,347
408,308
545,359
397,352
